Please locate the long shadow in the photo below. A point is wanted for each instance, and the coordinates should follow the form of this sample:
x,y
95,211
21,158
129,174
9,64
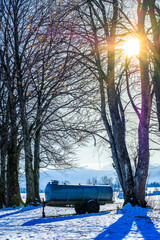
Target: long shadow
x,y
58,219
147,228
24,209
119,229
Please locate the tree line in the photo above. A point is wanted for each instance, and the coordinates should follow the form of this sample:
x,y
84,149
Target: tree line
x,y
38,100
64,77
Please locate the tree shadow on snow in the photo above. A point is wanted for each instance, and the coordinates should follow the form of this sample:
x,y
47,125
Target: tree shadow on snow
x,y
119,229
59,219
17,211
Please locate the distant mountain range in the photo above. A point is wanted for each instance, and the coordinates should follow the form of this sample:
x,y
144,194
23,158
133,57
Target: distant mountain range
x,y
74,176
154,173
81,175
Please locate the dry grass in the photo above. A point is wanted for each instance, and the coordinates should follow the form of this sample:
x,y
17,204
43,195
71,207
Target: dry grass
x,y
153,202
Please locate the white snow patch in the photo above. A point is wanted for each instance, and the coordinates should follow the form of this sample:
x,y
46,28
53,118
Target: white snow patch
x,y
129,223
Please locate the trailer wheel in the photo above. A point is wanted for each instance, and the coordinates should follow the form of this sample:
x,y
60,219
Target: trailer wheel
x,y
92,206
80,209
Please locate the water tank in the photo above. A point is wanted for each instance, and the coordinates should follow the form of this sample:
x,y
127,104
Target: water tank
x,y
77,195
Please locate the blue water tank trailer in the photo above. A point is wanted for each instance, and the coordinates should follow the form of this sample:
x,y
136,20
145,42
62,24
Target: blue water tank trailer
x,y
85,198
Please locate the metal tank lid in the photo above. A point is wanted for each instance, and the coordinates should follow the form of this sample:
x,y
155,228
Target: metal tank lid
x,y
55,182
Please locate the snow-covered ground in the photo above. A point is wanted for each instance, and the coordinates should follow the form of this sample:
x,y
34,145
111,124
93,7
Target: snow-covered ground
x,y
127,223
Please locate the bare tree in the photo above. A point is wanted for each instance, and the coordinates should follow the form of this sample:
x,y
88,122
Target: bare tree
x,y
3,142
99,28
9,115
37,59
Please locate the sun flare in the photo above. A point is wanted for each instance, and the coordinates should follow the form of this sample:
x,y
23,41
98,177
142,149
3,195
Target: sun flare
x,y
131,47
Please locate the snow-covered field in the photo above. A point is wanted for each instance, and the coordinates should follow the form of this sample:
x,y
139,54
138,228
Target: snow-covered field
x,y
127,223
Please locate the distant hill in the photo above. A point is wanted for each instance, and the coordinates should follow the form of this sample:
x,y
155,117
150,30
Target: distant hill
x,y
73,176
154,174
80,175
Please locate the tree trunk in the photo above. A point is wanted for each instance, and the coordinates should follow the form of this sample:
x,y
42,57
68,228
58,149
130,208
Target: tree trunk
x,y
143,164
13,189
143,131
29,170
37,162
37,143
2,180
156,81
3,150
27,145
156,54
127,180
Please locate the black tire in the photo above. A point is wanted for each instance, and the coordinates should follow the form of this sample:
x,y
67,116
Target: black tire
x,y
92,206
80,209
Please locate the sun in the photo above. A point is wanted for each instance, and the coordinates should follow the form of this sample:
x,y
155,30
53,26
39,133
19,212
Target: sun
x,y
131,47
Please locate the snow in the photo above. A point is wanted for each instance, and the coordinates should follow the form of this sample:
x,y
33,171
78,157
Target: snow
x,y
63,224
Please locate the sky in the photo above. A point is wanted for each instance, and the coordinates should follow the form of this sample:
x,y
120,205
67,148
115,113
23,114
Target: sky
x,y
91,157
94,158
